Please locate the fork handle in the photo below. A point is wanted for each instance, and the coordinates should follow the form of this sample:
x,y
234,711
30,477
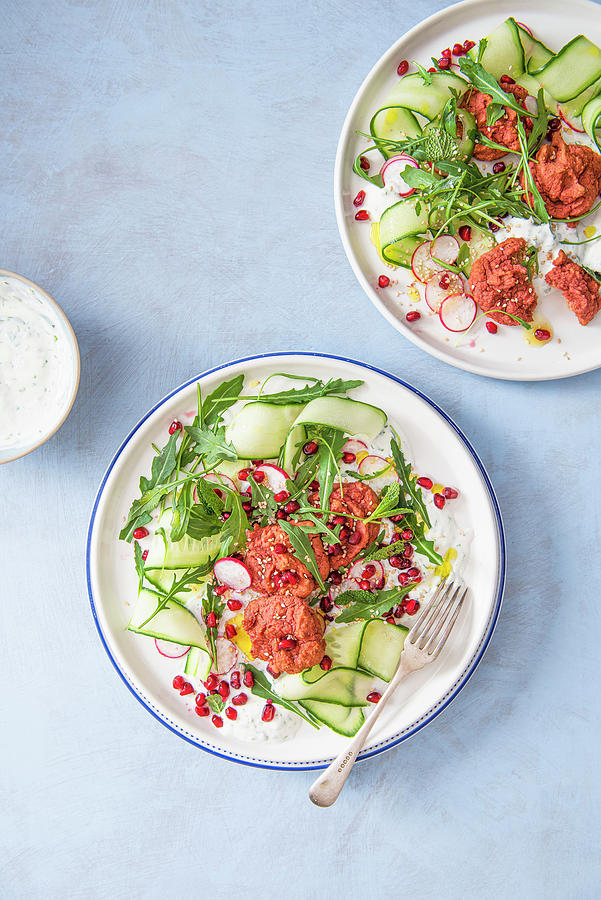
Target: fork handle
x,y
325,790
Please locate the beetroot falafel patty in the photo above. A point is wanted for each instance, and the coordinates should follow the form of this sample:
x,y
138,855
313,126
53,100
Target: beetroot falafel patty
x,y
359,500
285,632
273,567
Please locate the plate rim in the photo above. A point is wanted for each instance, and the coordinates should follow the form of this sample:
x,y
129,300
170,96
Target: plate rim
x,y
455,688
344,232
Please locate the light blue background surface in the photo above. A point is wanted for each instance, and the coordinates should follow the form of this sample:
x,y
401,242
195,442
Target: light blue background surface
x,y
166,173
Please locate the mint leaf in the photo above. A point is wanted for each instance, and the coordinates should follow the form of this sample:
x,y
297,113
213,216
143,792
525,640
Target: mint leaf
x,y
369,604
215,703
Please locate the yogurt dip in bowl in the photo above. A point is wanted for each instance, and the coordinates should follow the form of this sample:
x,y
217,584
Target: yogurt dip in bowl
x,y
39,366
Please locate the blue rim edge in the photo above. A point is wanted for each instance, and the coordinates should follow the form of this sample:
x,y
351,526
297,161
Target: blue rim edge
x,y
456,687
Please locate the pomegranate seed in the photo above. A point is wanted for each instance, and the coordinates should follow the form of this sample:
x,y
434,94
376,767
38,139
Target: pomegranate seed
x,y
390,620
383,281
239,699
425,482
492,227
231,713
450,493
541,334
413,316
339,520
247,507
257,462
492,327
408,551
412,572
225,516
186,689
506,79
280,514
211,682
243,475
326,664
368,572
380,583
280,548
458,50
217,721
446,53
268,712
348,457
224,690
362,215
354,538
200,699
465,233
403,579
396,518
140,533
411,607
235,680
374,697
400,609
287,644
406,534
220,589
230,631
345,532
234,605
314,486
310,448
325,604
281,496
178,682
364,584
292,506
290,577
498,168
335,577
258,477
145,555
438,501
359,198
444,280
364,163
333,549
444,63
212,620
249,679
402,68
395,562
467,45
432,69
175,426
202,711
554,124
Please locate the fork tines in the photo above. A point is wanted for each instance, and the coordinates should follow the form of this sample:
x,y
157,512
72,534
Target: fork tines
x,y
434,624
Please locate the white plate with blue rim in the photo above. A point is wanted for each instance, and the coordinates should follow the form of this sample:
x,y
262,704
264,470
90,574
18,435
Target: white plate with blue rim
x,y
439,447
507,354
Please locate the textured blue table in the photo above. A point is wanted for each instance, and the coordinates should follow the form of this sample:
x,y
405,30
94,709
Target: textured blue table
x,y
167,176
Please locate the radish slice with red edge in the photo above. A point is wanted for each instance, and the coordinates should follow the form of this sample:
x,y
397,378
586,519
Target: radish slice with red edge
x,y
392,173
356,571
227,656
372,464
274,476
442,285
457,312
169,649
217,479
354,446
568,122
233,573
422,264
531,104
445,248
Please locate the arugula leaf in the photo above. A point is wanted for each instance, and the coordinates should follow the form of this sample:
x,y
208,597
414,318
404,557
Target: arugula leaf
x,y
212,604
494,112
223,397
369,604
233,532
139,563
540,124
425,546
330,442
181,511
215,703
408,482
262,688
212,445
303,550
191,576
536,201
152,489
263,499
426,76
487,84
310,392
162,465
318,526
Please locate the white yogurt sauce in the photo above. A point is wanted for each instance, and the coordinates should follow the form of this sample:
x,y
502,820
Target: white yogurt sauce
x,y
36,365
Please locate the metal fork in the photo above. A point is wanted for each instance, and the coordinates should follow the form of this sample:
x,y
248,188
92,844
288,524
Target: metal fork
x,y
422,645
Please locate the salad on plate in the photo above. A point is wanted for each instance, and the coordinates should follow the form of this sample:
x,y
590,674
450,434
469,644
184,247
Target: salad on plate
x,y
283,540
482,178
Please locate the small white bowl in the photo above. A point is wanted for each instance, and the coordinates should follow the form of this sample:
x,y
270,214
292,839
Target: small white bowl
x,y
55,314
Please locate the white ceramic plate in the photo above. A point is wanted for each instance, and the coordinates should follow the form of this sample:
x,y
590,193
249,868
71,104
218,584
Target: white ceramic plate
x,y
440,448
506,354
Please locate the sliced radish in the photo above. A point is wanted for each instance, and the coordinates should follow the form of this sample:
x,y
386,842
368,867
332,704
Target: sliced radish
x,y
227,656
353,446
422,264
442,285
570,124
392,173
372,464
356,571
531,104
457,312
169,649
445,248
274,476
217,479
233,573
